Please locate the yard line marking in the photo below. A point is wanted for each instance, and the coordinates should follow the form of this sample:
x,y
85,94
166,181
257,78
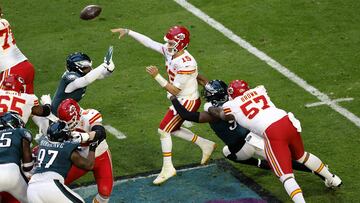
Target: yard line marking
x,y
118,134
143,177
271,62
323,103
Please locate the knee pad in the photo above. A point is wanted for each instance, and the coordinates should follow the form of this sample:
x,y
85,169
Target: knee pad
x,y
163,134
286,177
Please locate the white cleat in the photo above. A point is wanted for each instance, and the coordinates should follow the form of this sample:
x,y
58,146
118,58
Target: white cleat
x,y
164,175
334,182
207,150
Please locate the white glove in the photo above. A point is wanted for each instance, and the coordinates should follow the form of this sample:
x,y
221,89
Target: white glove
x,y
110,67
45,99
207,105
81,137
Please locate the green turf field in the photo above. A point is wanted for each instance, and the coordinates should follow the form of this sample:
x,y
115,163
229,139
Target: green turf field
x,y
316,39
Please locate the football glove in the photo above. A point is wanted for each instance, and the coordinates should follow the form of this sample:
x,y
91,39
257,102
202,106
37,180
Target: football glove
x,y
93,145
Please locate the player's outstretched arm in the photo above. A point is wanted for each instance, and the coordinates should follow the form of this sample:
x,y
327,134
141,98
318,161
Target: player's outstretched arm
x,y
219,113
98,73
198,117
27,157
154,72
202,80
142,39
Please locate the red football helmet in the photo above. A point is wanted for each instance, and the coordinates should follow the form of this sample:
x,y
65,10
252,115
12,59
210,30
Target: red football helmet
x,y
177,39
237,88
69,111
13,82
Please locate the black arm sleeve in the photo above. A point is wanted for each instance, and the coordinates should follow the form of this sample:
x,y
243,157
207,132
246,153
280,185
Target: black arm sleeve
x,y
100,133
185,114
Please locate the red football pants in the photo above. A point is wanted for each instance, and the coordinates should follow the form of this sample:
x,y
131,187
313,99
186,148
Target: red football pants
x,y
171,122
282,145
102,172
8,198
26,70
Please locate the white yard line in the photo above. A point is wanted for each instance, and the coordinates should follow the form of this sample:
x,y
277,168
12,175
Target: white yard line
x,y
271,62
323,103
143,177
118,134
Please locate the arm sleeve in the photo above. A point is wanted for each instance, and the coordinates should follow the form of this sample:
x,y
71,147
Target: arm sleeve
x,y
185,114
97,73
147,42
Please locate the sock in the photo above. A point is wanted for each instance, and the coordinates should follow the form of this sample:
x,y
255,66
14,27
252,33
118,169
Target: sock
x,y
186,134
99,199
315,164
166,146
292,188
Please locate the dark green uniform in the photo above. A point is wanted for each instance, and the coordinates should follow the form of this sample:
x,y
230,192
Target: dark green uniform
x,y
60,94
231,133
11,144
55,156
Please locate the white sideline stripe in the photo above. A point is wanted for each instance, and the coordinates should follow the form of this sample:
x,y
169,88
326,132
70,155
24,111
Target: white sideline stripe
x,y
143,177
322,103
271,62
118,134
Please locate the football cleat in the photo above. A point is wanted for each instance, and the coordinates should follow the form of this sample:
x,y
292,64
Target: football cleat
x,y
334,182
207,150
166,173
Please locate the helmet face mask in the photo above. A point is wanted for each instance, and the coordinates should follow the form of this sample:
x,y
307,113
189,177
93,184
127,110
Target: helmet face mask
x,y
69,112
79,62
215,91
11,120
14,83
58,132
177,39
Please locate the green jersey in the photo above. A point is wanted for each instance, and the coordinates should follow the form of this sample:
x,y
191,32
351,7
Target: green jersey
x,y
11,144
55,156
231,133
60,94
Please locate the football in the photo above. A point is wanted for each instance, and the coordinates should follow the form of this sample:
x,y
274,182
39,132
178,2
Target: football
x,y
90,12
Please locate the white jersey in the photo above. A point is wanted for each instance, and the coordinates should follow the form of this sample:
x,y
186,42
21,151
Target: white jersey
x,y
182,72
254,110
20,103
10,55
87,119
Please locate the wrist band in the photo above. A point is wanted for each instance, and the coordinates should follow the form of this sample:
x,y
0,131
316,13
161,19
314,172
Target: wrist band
x,y
29,164
162,81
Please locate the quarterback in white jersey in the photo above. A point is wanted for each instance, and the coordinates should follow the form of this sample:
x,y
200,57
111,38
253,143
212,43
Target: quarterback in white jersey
x,y
182,71
86,124
253,109
12,60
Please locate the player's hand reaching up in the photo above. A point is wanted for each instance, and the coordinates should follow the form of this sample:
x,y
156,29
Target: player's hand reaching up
x,y
122,31
109,67
152,70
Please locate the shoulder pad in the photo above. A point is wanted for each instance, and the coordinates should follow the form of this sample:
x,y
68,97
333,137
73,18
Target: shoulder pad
x,y
91,116
70,76
26,134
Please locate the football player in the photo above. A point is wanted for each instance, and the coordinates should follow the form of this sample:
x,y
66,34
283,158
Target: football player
x,y
13,98
57,153
253,109
14,151
242,146
87,124
12,60
182,70
78,75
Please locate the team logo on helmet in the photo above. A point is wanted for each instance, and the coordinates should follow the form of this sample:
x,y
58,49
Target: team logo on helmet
x,y
180,36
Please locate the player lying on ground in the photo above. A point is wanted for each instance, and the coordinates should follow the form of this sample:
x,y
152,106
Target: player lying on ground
x,y
242,146
87,124
253,109
14,152
57,153
182,70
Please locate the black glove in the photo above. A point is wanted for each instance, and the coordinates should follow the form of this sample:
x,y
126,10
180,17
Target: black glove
x,y
93,145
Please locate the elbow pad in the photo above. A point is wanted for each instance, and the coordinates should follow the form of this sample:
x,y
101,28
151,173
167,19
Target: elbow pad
x,y
100,133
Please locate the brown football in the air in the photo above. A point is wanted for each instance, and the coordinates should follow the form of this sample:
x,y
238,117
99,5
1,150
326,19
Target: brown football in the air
x,y
90,12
